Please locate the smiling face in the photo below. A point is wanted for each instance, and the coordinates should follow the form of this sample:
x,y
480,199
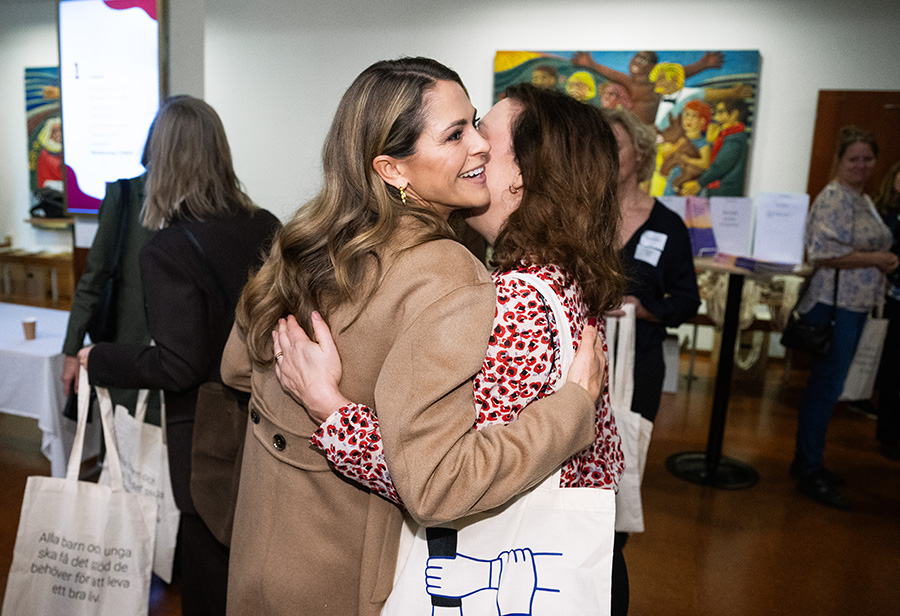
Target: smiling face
x,y
447,170
856,165
501,170
641,65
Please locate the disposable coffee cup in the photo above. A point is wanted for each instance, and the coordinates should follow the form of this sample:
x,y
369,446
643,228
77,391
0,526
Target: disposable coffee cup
x,y
30,327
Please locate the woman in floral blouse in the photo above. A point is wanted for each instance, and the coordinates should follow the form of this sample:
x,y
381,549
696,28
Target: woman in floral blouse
x,y
849,243
552,177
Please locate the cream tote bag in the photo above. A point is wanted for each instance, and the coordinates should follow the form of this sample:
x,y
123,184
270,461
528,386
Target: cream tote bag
x,y
82,549
860,381
547,552
145,470
634,430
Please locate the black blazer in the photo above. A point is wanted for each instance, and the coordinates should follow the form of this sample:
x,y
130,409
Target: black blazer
x,y
190,301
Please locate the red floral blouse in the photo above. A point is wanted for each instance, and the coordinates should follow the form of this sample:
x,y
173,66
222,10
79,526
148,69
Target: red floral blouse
x,y
522,364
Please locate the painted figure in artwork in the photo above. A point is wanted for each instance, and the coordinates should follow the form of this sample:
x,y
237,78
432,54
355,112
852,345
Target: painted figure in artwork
x,y
725,175
545,77
685,151
581,86
641,89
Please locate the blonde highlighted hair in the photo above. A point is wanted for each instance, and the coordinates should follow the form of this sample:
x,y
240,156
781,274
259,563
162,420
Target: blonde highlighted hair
x,y
323,257
888,198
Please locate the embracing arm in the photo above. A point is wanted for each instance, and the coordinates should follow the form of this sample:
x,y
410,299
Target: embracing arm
x,y
448,469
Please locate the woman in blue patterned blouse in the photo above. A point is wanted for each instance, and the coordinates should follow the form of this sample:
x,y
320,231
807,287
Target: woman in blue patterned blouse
x,y
849,244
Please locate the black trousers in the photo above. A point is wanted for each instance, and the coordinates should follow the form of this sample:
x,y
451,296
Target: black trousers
x,y
204,569
887,430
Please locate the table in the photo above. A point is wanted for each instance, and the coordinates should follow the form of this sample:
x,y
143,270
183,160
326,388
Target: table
x,y
711,467
30,382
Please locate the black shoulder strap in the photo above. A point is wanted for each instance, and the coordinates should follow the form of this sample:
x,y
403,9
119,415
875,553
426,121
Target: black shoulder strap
x,y
124,215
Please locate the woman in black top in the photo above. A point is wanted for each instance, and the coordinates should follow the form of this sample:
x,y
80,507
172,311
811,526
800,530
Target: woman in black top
x,y
193,269
661,283
656,254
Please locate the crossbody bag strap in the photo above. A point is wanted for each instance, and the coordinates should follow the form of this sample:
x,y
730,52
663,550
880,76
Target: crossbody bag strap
x,y
552,301
124,216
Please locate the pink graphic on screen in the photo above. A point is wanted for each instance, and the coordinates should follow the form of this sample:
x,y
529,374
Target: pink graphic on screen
x,y
77,201
149,6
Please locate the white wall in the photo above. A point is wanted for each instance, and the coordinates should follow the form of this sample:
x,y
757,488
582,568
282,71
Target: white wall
x,y
275,69
27,39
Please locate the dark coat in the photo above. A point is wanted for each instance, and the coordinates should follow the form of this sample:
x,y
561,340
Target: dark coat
x,y
131,318
190,300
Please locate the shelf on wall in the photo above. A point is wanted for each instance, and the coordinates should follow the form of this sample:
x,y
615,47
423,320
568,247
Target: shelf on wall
x,y
51,224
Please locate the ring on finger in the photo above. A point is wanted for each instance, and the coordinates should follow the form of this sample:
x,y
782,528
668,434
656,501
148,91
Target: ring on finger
x,y
278,355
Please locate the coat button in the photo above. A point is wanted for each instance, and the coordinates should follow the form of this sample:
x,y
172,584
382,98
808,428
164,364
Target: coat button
x,y
254,416
278,442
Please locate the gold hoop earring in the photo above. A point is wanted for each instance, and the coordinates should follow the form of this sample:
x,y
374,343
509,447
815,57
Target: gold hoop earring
x,y
402,190
513,189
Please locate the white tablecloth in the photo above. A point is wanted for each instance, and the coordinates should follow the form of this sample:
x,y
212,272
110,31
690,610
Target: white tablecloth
x,y
30,385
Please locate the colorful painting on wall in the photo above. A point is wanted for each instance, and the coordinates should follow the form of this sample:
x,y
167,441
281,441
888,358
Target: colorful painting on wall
x,y
701,103
42,110
44,124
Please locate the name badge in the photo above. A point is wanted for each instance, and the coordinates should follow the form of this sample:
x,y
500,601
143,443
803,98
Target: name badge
x,y
654,239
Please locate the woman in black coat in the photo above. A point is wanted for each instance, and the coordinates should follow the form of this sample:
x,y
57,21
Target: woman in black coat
x,y
193,269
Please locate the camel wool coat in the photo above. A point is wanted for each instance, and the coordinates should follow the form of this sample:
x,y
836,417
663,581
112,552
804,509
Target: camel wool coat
x,y
308,541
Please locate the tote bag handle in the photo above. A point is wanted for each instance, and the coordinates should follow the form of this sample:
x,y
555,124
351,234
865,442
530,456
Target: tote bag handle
x,y
109,436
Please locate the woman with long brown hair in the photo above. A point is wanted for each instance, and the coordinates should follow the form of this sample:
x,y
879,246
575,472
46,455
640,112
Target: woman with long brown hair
x,y
411,310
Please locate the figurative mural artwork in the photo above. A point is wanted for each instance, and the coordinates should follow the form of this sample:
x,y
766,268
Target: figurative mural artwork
x,y
44,125
702,104
42,109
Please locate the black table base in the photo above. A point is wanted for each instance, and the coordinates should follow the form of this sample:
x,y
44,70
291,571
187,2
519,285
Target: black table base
x,y
712,468
728,474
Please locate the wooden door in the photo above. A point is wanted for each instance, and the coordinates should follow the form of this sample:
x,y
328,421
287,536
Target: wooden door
x,y
874,110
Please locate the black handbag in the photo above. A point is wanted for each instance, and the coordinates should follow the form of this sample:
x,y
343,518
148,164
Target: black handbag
x,y
801,335
103,323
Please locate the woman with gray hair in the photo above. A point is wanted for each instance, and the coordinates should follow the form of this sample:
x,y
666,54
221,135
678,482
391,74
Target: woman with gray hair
x,y
661,283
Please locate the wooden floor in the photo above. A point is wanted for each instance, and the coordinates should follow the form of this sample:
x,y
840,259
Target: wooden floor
x,y
764,550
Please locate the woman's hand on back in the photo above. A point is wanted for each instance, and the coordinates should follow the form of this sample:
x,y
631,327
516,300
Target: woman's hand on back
x,y
589,366
309,371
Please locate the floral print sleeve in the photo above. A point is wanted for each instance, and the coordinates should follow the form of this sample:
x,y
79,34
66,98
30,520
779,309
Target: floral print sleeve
x,y
522,364
352,443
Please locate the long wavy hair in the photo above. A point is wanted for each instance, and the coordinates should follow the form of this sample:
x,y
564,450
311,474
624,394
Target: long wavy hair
x,y
189,169
888,198
323,257
569,214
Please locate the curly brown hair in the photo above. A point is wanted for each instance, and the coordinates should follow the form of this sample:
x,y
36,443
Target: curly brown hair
x,y
569,214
